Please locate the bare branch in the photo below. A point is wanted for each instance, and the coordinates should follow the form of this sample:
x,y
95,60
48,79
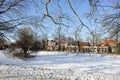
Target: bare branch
x,y
47,2
1,2
81,22
115,34
11,6
49,16
4,27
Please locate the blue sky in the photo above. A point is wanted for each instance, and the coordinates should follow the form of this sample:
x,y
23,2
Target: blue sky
x,y
80,6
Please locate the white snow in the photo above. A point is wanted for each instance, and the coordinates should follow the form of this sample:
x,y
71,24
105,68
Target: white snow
x,y
61,66
62,60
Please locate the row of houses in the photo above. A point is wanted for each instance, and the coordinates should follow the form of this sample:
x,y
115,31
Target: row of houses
x,y
107,46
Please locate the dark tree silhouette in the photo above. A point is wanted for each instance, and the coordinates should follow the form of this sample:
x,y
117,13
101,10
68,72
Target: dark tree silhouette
x,y
26,40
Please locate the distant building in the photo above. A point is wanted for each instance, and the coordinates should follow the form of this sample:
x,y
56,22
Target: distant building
x,y
51,45
111,44
63,46
104,47
84,47
107,46
72,47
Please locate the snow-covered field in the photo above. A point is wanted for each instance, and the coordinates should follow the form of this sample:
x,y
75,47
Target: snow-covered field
x,y
54,65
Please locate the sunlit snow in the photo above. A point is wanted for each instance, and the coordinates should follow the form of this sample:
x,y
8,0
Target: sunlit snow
x,y
64,60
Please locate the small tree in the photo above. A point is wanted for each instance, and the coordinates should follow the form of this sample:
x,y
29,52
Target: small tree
x,y
117,48
26,40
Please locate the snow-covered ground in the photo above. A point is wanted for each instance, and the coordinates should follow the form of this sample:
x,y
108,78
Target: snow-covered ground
x,y
63,60
63,63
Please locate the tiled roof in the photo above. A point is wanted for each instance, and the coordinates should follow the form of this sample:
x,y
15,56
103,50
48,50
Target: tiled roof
x,y
107,42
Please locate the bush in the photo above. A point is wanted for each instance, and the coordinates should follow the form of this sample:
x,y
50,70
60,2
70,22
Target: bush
x,y
26,39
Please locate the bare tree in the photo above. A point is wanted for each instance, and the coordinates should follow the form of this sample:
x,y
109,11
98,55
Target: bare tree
x,y
110,21
59,37
8,21
26,40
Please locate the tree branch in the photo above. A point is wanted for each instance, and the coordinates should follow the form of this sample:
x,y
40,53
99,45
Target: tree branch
x,y
3,27
2,2
11,6
81,22
49,16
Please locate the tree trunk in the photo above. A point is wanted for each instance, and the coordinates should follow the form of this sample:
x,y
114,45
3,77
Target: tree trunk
x,y
25,53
